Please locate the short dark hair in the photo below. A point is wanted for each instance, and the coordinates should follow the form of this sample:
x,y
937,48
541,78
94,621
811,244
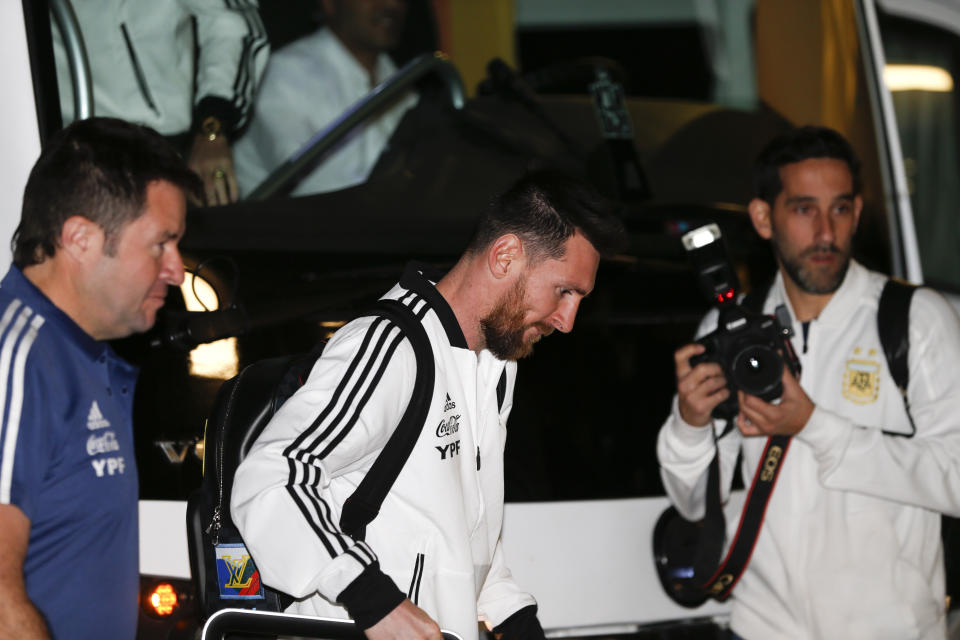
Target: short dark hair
x,y
98,168
797,145
544,208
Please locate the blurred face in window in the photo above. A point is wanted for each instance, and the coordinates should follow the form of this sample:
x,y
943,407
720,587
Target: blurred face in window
x,y
366,26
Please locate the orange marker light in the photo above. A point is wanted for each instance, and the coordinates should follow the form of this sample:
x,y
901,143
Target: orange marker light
x,y
163,599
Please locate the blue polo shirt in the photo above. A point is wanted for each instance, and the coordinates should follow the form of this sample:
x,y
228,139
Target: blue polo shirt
x,y
67,461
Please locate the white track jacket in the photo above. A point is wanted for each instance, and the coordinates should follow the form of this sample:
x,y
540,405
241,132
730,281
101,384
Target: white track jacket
x,y
438,532
850,546
142,61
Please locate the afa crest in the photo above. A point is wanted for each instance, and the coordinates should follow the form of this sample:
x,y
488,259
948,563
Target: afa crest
x,y
237,575
861,381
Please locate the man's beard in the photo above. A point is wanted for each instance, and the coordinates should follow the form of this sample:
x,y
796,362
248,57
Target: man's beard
x,y
503,328
810,280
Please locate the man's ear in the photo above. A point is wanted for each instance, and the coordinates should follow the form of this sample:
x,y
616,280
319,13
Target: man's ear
x,y
81,238
760,216
504,255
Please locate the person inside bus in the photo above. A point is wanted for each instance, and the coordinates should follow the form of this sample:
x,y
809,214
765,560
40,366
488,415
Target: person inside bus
x,y
312,81
144,70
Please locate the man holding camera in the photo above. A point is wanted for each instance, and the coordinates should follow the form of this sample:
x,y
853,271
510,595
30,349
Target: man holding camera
x,y
850,542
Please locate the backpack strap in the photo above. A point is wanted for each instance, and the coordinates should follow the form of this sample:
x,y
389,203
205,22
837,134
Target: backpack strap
x,y
893,326
754,300
363,505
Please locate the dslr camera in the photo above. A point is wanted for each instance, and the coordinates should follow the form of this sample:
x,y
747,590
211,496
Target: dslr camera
x,y
751,347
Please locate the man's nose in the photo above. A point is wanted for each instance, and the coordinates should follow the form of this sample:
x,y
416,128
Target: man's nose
x,y
565,315
824,230
173,271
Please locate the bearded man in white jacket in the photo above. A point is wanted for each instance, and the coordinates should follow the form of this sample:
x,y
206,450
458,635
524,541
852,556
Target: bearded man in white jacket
x,y
433,553
850,545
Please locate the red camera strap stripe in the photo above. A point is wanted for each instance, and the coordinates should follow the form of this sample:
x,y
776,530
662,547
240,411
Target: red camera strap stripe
x,y
728,574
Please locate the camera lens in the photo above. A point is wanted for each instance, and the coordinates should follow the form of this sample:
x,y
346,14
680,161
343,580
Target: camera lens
x,y
757,369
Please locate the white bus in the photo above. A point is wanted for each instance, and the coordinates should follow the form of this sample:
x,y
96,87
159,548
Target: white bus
x,y
706,83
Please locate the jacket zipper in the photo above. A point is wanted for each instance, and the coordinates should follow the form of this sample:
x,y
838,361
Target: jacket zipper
x,y
213,529
138,71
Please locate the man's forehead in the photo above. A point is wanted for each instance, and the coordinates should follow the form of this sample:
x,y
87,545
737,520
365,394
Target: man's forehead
x,y
798,177
577,267
164,208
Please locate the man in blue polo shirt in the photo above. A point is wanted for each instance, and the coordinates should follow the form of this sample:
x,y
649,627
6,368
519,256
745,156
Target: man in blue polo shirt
x,y
103,210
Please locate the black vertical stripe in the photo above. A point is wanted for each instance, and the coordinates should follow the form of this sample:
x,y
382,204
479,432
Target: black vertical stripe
x,y
310,521
358,407
413,593
366,396
502,389
253,43
340,420
344,381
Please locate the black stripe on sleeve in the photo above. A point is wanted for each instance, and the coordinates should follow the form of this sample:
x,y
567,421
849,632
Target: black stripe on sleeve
x,y
340,421
366,396
304,476
344,381
311,505
253,43
301,505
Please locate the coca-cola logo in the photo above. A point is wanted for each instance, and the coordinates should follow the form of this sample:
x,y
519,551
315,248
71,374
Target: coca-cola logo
x,y
103,443
449,426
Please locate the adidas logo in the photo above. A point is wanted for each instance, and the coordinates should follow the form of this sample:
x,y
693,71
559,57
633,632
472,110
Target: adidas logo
x,y
95,419
450,404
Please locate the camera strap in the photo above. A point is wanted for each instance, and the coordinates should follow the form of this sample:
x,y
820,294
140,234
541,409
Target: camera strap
x,y
725,574
725,577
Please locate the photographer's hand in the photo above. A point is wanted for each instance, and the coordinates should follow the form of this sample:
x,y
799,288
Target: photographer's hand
x,y
787,418
699,388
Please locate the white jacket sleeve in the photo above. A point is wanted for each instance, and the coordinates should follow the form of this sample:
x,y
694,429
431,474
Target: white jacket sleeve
x,y
336,424
685,451
924,470
500,597
233,51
